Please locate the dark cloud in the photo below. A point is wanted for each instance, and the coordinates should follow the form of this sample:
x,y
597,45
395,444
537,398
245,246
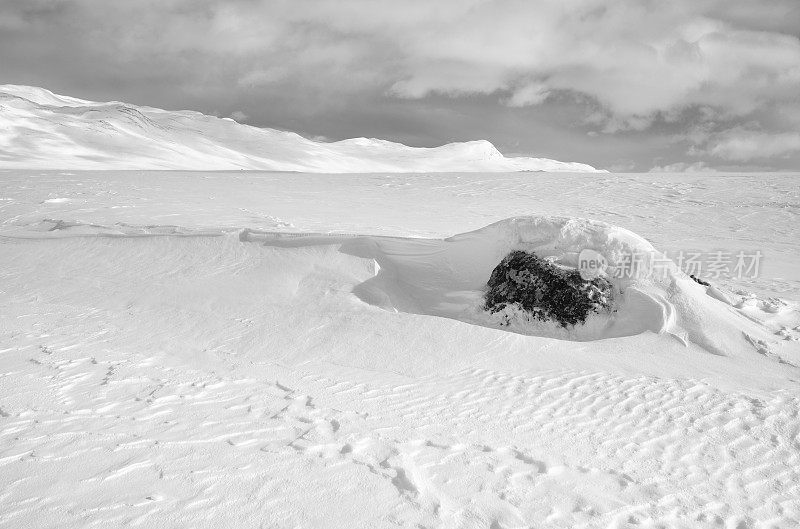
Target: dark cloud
x,y
617,83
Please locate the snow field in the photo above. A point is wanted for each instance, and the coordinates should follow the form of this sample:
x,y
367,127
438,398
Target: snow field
x,y
235,349
208,381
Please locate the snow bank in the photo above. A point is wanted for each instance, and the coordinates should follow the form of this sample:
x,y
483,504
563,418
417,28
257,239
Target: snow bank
x,y
39,129
447,278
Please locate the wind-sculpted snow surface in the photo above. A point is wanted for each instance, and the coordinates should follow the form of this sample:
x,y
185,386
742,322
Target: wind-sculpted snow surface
x,y
180,373
39,129
448,278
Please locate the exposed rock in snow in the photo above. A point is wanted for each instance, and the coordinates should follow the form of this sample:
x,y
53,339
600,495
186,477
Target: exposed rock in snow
x,y
39,129
525,285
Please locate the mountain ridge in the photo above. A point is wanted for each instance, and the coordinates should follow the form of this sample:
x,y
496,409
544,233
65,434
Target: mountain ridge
x,y
43,130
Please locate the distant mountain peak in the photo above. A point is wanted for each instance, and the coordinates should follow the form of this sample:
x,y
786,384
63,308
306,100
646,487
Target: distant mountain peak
x,y
43,130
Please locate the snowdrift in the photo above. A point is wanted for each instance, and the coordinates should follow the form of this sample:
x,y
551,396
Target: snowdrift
x,y
39,130
447,278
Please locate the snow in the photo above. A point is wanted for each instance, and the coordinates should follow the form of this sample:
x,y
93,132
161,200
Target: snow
x,y
447,278
294,350
39,129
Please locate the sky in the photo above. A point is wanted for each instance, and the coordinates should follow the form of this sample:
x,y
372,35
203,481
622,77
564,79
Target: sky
x,y
625,85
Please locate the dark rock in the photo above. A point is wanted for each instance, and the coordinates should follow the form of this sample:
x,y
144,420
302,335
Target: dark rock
x,y
700,281
545,291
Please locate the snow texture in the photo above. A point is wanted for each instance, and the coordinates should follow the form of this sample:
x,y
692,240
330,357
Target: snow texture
x,y
262,350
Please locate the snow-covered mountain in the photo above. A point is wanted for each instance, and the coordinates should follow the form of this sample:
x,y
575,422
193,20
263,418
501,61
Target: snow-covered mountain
x,y
39,129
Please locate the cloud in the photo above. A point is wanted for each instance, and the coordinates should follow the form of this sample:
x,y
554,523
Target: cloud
x,y
635,58
529,94
683,167
263,77
742,145
239,116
